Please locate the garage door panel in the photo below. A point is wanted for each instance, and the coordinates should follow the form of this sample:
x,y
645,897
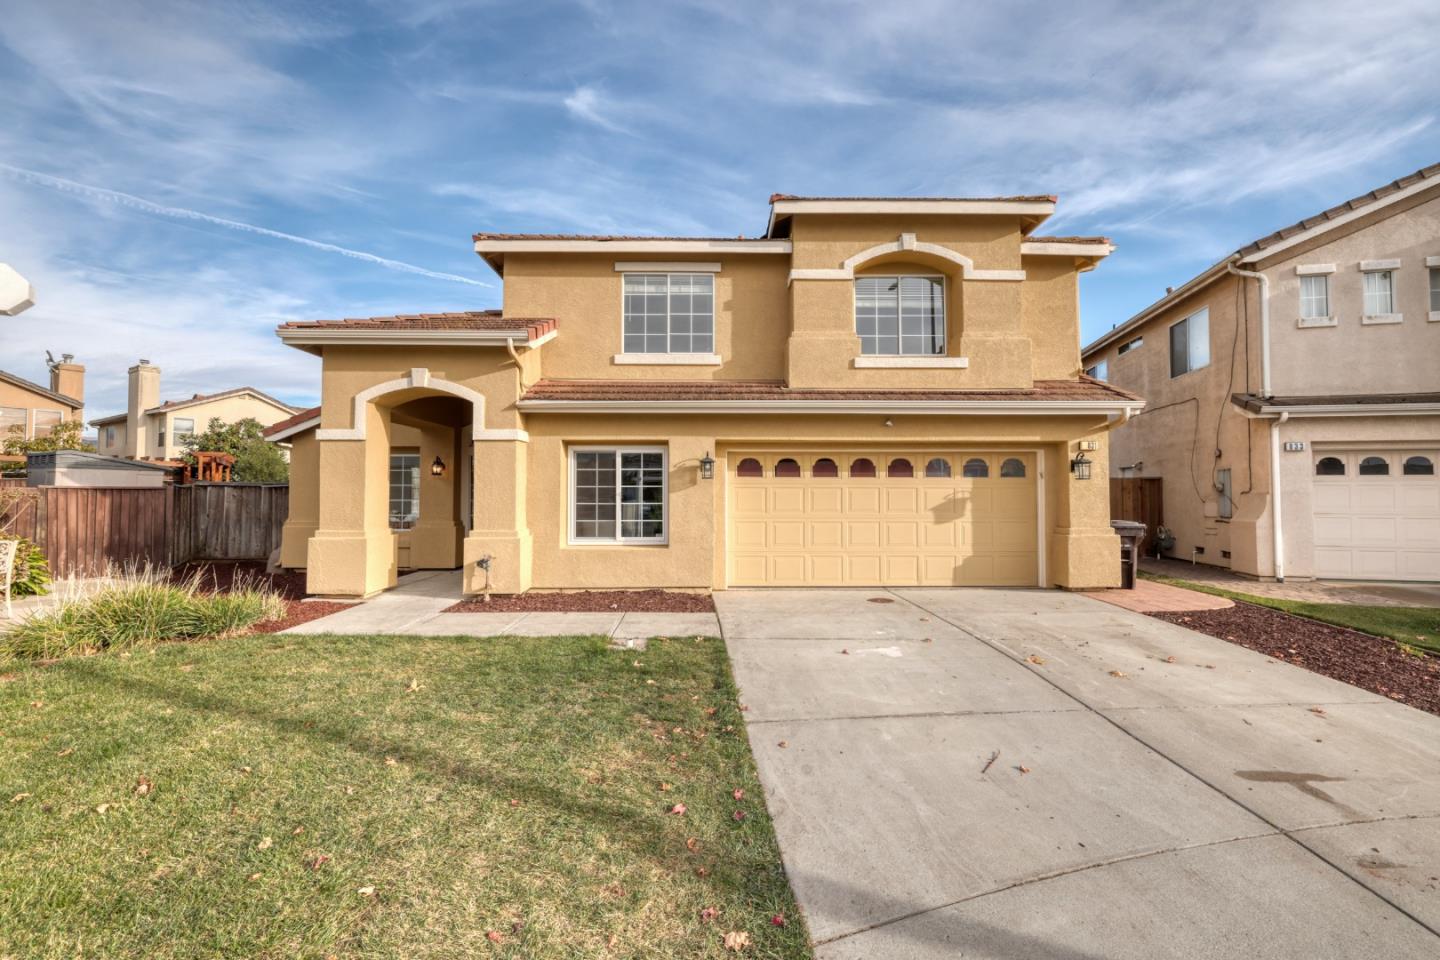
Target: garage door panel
x,y
1420,564
875,531
1421,532
1332,497
1420,498
1378,564
1377,527
1332,531
1378,497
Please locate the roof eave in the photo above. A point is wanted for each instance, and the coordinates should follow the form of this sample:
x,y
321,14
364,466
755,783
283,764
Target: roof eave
x,y
861,406
312,339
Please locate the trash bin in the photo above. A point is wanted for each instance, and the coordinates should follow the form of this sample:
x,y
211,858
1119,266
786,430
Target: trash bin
x,y
1131,533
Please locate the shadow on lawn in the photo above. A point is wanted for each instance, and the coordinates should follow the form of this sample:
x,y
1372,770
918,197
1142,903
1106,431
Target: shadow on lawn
x,y
619,822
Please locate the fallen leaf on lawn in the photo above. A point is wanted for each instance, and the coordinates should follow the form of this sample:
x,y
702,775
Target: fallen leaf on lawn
x,y
143,786
494,936
18,797
318,862
744,708
514,803
678,809
186,667
265,843
517,926
66,752
692,844
1037,660
349,791
738,815
710,711
737,940
783,744
709,913
664,787
366,891
650,683
391,762
244,769
102,808
1119,673
778,920
297,831
738,794
414,686
702,872
37,704
253,877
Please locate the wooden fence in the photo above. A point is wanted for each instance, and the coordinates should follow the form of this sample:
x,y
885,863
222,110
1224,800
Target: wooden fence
x,y
84,530
1138,498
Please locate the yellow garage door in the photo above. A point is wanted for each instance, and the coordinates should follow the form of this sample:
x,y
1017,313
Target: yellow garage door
x,y
881,518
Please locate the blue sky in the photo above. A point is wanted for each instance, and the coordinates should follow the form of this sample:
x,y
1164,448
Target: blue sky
x,y
142,141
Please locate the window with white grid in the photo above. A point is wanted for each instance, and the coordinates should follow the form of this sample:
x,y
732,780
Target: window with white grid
x,y
669,313
618,495
404,489
1379,293
1314,297
900,316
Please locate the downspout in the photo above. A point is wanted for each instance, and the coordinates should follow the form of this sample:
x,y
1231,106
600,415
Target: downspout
x,y
1264,324
519,369
1277,529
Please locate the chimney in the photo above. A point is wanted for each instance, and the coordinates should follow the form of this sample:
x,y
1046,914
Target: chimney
x,y
144,394
68,377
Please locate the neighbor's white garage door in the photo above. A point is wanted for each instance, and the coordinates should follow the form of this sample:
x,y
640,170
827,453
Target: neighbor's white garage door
x,y
1377,514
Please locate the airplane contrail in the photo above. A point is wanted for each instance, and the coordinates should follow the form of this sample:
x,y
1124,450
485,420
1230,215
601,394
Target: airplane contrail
x,y
181,213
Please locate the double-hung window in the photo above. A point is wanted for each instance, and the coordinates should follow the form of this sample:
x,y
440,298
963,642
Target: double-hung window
x,y
669,313
1314,297
1435,292
900,316
404,489
1379,293
618,495
184,427
1190,343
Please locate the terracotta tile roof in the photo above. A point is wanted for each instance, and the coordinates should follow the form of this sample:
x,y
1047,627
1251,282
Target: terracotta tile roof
x,y
482,320
289,422
1034,198
1034,239
603,237
1254,402
1355,203
169,405
1084,389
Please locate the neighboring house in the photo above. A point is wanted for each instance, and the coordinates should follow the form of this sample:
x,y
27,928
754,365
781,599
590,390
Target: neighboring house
x,y
151,430
1307,361
874,392
38,410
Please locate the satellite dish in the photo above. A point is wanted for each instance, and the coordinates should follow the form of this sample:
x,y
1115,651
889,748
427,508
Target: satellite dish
x,y
16,294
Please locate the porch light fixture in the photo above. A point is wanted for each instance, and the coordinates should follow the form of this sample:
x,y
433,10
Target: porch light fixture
x,y
1080,466
707,467
437,469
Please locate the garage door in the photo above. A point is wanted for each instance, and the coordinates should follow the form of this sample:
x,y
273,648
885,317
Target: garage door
x,y
877,518
1377,515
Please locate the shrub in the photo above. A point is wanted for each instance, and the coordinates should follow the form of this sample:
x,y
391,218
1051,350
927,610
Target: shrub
x,y
139,609
31,576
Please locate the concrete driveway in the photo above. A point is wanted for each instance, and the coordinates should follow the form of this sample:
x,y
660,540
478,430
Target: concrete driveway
x,y
1154,792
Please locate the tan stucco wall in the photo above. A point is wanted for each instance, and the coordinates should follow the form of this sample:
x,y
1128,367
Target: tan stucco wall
x,y
304,513
14,396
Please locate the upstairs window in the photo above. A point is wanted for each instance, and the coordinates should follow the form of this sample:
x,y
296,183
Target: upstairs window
x,y
404,489
900,316
1379,293
1314,297
184,427
1190,343
1101,370
669,313
1129,345
1435,289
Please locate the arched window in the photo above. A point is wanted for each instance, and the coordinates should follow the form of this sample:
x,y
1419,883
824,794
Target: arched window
x,y
1419,467
787,468
1374,467
938,467
1012,467
977,467
863,467
1329,467
825,467
900,467
749,467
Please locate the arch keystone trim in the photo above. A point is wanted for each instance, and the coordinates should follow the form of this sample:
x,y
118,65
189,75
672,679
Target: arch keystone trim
x,y
419,377
907,243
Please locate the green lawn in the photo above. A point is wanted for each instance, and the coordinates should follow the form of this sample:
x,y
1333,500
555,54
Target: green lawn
x,y
307,802
1412,626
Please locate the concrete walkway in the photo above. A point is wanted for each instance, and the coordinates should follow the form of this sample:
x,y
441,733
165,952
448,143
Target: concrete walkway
x,y
414,608
1152,596
1365,592
1028,774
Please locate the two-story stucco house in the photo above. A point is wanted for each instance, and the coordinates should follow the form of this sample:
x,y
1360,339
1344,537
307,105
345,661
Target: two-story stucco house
x,y
873,392
151,430
29,410
1308,363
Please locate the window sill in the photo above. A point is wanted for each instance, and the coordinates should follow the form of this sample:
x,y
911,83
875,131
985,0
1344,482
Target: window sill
x,y
618,543
667,359
1306,322
1379,318
923,363
1435,316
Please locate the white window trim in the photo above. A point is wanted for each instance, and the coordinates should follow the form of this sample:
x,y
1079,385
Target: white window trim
x,y
1169,357
617,540
1374,319
944,329
1378,266
714,322
1305,323
665,266
1327,320
668,359
1314,269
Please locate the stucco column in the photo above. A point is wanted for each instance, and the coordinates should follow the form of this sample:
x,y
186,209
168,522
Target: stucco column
x,y
1085,551
352,553
499,529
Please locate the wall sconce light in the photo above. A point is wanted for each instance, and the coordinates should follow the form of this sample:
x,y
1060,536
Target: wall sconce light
x,y
707,467
1080,466
889,422
437,469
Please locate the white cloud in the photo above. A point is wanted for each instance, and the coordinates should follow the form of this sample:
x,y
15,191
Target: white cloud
x,y
589,104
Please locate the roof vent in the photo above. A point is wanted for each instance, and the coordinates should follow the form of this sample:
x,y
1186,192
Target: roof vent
x,y
1169,290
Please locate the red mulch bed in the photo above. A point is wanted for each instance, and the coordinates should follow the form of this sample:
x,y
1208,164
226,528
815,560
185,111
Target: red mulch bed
x,y
590,601
1376,664
290,584
298,612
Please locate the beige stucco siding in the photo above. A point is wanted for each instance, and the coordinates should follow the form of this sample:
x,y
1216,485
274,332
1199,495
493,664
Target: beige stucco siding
x,y
15,396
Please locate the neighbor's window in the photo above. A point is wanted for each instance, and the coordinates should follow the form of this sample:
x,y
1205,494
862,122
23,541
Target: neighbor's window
x,y
1190,343
1129,345
1379,293
618,495
1227,493
1314,297
1100,371
900,316
404,489
669,313
46,421
1435,289
184,427
109,436
11,417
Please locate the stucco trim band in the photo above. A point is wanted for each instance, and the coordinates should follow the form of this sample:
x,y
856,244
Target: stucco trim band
x,y
632,246
906,243
924,363
923,407
419,377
